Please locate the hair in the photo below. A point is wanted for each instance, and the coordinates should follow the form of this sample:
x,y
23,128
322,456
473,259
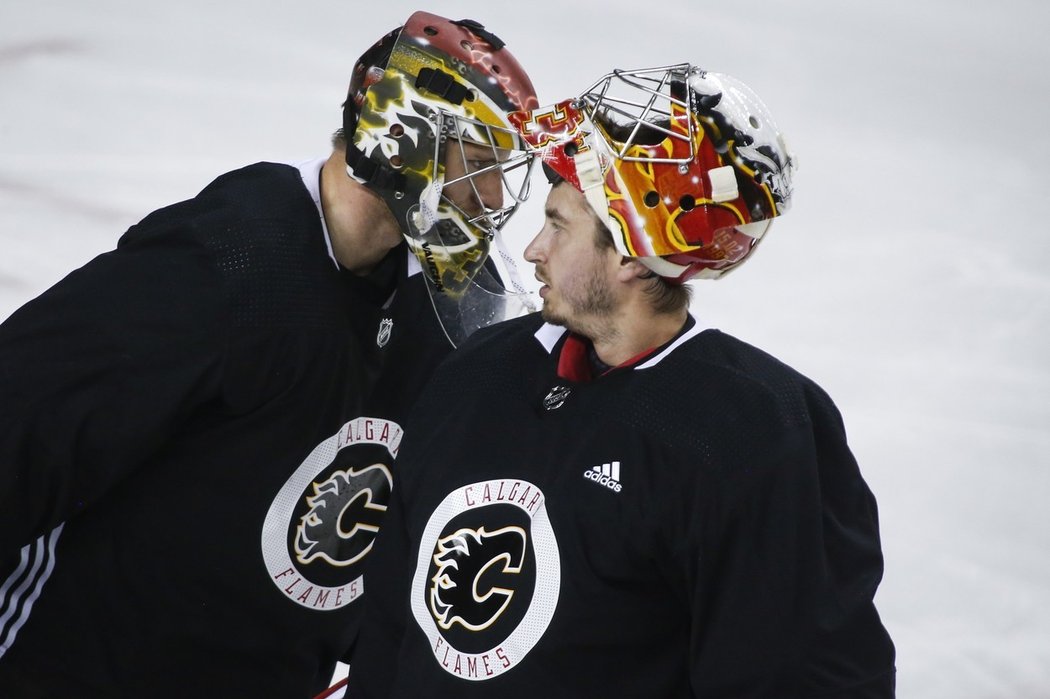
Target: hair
x,y
339,139
620,129
665,296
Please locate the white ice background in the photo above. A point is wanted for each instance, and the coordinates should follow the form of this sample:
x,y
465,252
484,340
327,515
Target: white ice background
x,y
908,279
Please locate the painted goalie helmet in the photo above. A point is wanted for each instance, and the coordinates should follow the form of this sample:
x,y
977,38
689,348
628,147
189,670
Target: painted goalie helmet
x,y
685,167
426,128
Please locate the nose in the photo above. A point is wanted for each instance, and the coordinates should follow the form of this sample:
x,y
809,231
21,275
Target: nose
x,y
490,189
535,250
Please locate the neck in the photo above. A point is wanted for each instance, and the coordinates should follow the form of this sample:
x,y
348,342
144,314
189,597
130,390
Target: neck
x,y
631,331
360,225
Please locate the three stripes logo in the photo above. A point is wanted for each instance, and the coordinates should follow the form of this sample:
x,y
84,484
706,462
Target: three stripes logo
x,y
607,475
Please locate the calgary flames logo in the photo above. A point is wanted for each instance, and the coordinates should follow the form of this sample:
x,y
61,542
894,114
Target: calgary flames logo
x,y
487,577
467,588
344,516
325,517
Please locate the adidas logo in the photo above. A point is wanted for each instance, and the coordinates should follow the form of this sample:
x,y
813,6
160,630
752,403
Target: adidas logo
x,y
607,475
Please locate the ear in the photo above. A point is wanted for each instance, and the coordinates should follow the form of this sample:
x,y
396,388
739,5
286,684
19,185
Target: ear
x,y
630,269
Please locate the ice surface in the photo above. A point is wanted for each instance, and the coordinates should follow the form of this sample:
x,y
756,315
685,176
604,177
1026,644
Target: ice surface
x,y
909,279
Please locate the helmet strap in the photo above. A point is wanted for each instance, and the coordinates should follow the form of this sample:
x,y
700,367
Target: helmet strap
x,y
441,84
372,171
478,29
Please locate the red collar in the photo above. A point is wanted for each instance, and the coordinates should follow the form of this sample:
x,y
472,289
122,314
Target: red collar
x,y
574,365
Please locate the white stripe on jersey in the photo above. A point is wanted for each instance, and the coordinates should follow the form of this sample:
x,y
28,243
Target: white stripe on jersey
x,y
684,337
38,558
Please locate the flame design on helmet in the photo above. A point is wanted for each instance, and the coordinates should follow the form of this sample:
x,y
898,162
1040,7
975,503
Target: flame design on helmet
x,y
686,177
430,83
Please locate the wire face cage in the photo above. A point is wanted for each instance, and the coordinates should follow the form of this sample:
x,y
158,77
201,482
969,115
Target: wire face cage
x,y
642,102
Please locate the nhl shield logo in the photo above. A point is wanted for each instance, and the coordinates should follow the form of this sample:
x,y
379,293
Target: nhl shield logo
x,y
385,326
556,398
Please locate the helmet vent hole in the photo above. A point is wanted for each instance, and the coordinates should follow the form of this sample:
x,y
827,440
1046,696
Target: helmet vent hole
x,y
571,149
397,130
651,199
496,70
687,203
396,161
754,122
467,45
430,31
471,95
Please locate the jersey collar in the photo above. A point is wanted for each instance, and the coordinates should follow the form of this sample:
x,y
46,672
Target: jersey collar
x,y
572,350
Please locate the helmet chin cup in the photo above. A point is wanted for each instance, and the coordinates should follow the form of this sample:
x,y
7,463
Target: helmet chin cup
x,y
470,291
485,300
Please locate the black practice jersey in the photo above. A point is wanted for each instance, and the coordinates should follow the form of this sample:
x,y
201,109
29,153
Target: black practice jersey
x,y
196,438
691,524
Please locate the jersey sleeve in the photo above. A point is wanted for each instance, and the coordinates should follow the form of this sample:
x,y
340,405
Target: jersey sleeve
x,y
97,374
782,567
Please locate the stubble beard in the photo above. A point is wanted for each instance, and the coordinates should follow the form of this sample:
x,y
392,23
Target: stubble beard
x,y
584,313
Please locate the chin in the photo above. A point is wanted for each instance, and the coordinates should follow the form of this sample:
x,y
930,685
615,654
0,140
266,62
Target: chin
x,y
551,316
555,318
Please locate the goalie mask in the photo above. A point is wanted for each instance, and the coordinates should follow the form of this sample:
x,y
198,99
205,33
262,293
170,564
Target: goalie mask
x,y
686,168
427,130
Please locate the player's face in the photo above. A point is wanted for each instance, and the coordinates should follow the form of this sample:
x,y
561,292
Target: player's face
x,y
463,159
576,274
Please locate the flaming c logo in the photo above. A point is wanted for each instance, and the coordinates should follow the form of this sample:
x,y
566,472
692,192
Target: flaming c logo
x,y
470,562
344,516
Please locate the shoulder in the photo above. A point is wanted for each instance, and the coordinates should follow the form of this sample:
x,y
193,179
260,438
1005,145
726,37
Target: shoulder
x,y
257,230
493,360
494,349
269,190
509,332
256,193
720,361
715,388
269,187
